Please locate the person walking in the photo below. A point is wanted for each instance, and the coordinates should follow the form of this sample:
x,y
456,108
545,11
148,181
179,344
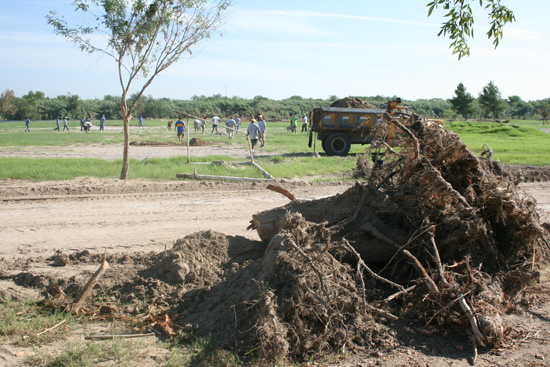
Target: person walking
x,y
254,132
57,123
203,124
262,126
304,124
102,123
82,121
28,125
215,123
180,129
230,128
294,124
140,123
66,123
237,123
169,125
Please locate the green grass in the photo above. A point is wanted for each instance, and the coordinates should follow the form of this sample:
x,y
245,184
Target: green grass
x,y
518,142
89,354
24,321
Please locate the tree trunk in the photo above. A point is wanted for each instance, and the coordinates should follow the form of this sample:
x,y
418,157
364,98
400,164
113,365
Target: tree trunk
x,y
126,153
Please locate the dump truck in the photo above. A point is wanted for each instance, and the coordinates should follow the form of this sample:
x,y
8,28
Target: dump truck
x,y
339,127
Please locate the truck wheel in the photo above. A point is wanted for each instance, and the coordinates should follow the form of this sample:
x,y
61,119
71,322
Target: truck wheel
x,y
337,144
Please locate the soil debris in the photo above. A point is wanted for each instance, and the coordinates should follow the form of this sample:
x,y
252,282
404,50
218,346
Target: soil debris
x,y
352,102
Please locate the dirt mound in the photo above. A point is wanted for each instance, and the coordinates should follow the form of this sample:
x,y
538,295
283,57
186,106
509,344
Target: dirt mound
x,y
523,173
196,142
352,102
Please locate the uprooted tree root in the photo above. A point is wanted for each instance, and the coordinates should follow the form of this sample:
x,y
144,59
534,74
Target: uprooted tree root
x,y
442,233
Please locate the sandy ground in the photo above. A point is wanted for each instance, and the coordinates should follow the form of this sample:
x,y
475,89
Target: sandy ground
x,y
39,218
145,216
113,152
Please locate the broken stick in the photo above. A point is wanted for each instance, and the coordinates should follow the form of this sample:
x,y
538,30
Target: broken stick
x,y
280,190
79,301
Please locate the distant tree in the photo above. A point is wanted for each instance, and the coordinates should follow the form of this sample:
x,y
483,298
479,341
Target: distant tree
x,y
463,102
518,108
459,26
7,104
544,111
143,37
32,105
490,100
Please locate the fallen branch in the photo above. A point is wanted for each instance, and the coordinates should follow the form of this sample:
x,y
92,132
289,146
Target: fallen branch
x,y
280,190
79,301
51,328
361,264
478,337
395,295
430,284
112,336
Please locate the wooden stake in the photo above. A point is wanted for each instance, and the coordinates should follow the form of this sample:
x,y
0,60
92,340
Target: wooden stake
x,y
79,301
188,133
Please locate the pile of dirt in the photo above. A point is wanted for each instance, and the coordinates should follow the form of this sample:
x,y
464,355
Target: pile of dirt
x,y
352,102
523,173
196,142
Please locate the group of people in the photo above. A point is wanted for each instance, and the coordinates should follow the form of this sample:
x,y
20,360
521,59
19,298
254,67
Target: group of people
x,y
256,130
294,124
65,123
85,124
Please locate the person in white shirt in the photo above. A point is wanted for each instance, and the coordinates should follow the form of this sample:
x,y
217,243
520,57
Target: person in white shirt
x,y
230,127
254,132
262,126
215,123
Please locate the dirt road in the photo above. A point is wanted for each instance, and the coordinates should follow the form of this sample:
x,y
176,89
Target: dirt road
x,y
39,218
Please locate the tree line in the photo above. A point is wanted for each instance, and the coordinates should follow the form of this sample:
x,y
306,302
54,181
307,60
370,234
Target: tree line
x,y
488,105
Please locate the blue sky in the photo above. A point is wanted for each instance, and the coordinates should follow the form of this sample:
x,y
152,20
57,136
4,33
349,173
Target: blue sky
x,y
282,48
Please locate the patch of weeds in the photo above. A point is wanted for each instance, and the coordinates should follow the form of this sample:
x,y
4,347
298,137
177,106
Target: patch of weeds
x,y
204,351
25,322
89,354
277,159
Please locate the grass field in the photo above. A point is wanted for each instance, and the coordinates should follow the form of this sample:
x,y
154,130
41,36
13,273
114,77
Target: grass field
x,y
518,142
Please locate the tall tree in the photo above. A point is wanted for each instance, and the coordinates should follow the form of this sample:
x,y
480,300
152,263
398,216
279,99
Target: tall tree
x,y
463,102
7,104
490,100
459,26
144,38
